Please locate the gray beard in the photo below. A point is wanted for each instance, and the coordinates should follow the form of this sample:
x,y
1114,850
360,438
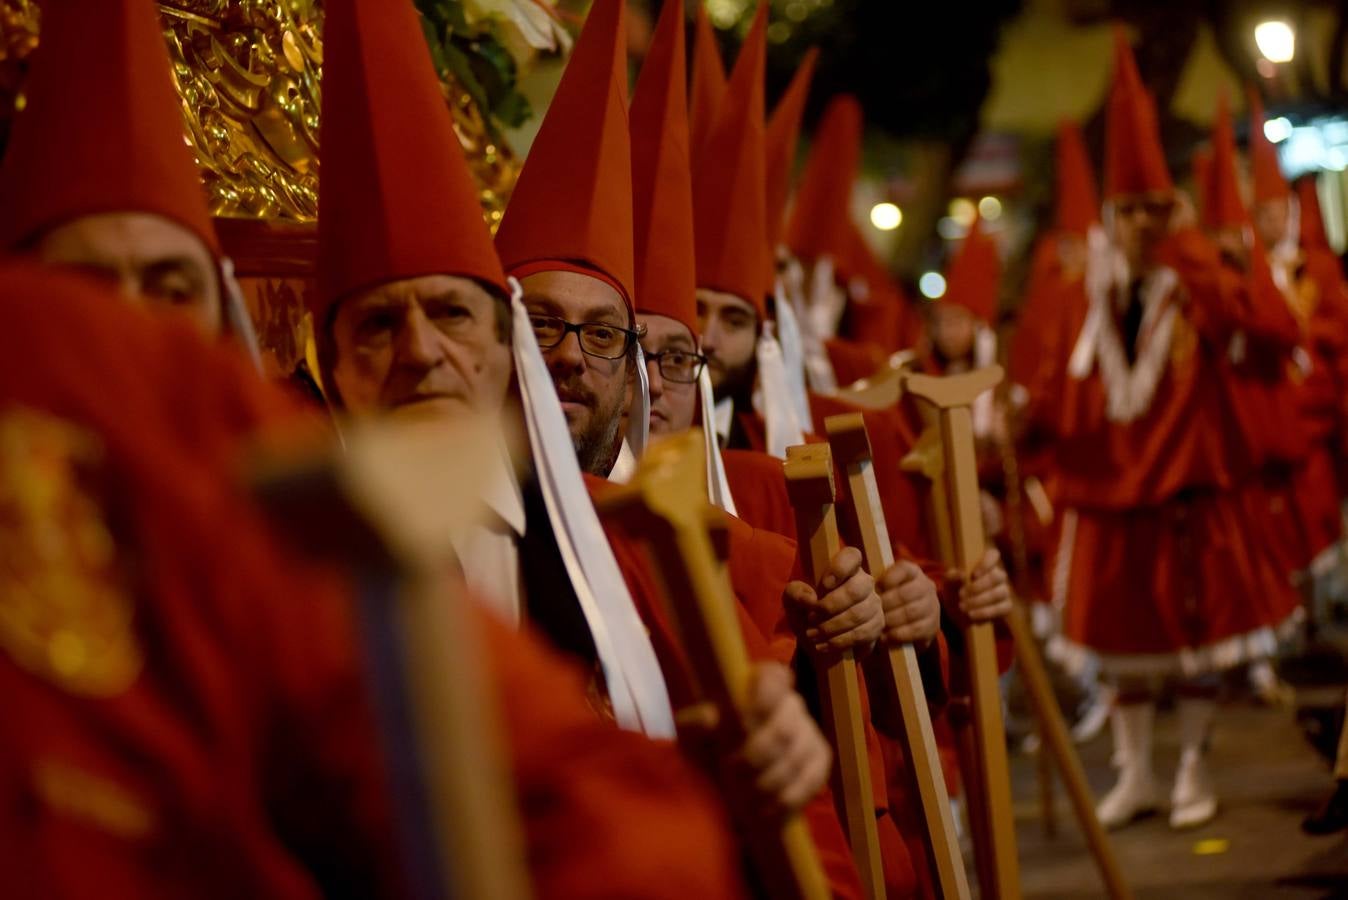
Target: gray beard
x,y
597,449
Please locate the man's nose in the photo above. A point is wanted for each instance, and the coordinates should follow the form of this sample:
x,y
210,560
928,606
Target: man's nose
x,y
657,381
567,354
420,344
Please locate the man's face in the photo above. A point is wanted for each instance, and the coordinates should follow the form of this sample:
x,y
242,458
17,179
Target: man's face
x,y
595,392
729,327
148,258
422,346
1141,222
1270,220
952,330
673,404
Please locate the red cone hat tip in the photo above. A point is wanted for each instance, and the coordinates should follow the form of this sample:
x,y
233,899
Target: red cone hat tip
x,y
1222,206
823,202
662,188
782,137
1269,183
1134,157
102,130
974,277
1078,204
573,201
729,189
396,199
709,83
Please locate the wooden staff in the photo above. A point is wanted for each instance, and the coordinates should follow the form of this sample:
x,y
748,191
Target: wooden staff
x,y
666,502
852,448
952,397
809,481
386,508
1058,745
1020,553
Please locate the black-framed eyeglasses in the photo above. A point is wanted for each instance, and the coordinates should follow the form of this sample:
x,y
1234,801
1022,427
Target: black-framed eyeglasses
x,y
596,338
678,366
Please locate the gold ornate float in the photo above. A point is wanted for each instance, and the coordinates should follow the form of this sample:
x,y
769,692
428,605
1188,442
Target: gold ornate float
x,y
247,72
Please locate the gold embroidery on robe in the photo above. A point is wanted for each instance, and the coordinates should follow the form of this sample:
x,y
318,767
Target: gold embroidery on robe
x,y
65,608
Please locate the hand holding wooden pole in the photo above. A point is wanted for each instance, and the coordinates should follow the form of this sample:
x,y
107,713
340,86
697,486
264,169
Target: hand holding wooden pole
x,y
666,502
953,398
852,449
809,480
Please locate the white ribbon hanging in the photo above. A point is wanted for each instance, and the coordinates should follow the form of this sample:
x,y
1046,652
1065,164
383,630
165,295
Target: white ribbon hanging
x,y
639,416
793,351
774,397
636,685
718,485
985,354
237,321
1285,255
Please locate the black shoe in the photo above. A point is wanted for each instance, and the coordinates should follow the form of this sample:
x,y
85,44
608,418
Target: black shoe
x,y
1331,817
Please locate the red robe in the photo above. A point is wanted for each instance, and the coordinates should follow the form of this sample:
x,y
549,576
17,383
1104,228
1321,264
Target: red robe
x,y
1158,565
758,574
759,488
243,760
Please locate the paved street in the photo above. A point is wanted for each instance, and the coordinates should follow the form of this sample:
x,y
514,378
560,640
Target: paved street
x,y
1268,778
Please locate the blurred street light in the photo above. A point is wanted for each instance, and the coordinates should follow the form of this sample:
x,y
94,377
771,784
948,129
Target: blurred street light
x,y
1278,130
990,208
886,216
1276,41
932,285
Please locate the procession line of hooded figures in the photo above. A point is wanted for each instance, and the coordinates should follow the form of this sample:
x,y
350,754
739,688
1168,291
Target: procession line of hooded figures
x,y
189,707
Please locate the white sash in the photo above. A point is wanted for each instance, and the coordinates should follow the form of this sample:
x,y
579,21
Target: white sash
x,y
636,685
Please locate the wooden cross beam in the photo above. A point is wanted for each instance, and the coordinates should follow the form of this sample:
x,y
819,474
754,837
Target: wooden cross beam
x,y
952,397
666,502
852,449
386,508
809,480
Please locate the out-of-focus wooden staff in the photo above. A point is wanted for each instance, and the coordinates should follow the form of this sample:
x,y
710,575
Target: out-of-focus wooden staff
x,y
1055,739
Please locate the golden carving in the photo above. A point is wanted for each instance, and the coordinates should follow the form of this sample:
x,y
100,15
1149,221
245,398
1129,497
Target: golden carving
x,y
248,76
65,607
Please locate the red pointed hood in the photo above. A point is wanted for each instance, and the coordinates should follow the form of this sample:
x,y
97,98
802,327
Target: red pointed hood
x,y
709,83
1313,235
1134,158
662,180
782,137
974,277
819,217
1078,204
728,185
396,198
1269,183
572,206
1221,206
102,130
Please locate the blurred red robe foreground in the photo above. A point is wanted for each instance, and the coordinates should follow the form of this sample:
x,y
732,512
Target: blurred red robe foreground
x,y
186,714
